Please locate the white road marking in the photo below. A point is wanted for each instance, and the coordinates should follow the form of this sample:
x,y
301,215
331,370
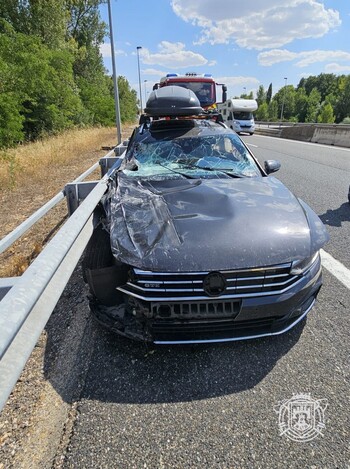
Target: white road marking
x,y
336,268
251,145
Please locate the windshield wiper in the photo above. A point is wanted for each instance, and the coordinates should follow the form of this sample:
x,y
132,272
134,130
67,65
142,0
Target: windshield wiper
x,y
187,176
219,170
209,168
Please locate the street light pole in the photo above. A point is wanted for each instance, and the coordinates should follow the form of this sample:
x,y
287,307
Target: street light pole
x,y
138,66
115,81
284,97
145,81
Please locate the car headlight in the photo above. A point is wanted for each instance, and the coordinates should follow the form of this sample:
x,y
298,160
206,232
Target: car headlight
x,y
300,267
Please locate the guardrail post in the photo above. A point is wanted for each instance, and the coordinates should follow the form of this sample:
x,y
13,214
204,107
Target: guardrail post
x,y
107,163
76,192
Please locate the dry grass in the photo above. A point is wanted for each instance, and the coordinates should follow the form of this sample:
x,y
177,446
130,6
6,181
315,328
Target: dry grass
x,y
34,161
32,174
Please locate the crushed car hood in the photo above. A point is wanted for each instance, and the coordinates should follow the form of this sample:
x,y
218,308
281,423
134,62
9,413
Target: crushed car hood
x,y
205,225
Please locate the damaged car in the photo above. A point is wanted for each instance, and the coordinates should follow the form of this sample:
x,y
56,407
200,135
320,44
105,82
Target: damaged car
x,y
194,240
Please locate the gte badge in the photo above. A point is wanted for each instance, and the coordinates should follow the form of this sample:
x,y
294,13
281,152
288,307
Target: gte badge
x,y
301,418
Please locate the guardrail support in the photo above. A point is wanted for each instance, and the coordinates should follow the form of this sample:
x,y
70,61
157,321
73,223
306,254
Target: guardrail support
x,y
6,284
119,150
76,193
107,163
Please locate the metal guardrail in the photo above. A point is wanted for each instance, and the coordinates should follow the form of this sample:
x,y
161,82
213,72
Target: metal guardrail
x,y
28,301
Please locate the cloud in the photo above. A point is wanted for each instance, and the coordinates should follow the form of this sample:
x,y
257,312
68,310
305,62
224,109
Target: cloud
x,y
257,25
316,56
105,50
275,56
337,68
240,80
304,58
173,55
153,72
236,85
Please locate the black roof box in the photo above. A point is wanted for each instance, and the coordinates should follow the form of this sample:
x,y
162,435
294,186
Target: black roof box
x,y
173,101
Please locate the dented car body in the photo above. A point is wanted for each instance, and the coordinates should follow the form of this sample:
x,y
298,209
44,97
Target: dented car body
x,y
195,242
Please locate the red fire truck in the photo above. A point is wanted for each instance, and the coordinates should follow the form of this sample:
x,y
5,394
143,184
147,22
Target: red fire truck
x,y
203,85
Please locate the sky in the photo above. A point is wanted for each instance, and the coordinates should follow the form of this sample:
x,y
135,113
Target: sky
x,y
242,43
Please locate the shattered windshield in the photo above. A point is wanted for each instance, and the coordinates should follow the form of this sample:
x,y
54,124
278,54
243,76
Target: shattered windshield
x,y
221,155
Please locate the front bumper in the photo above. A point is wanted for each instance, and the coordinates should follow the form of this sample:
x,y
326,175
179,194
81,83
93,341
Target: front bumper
x,y
213,319
244,128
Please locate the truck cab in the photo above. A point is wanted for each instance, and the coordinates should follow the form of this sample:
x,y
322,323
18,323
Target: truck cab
x,y
203,86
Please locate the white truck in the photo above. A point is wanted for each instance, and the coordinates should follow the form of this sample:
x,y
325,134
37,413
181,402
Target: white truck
x,y
238,114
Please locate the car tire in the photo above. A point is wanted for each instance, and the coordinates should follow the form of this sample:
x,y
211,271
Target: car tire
x,y
98,253
101,271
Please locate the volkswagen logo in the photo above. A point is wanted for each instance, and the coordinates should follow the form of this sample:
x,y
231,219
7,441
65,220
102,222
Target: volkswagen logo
x,y
214,284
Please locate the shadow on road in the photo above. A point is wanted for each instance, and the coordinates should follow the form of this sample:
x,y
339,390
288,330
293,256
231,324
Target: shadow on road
x,y
127,372
337,216
83,360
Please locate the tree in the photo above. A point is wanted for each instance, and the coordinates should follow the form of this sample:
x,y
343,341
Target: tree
x,y
84,23
269,94
313,106
46,19
261,95
342,104
326,114
51,71
273,111
128,100
301,103
246,95
286,97
11,120
42,81
262,114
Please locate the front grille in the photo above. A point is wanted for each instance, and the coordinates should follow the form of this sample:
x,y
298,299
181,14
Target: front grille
x,y
200,309
182,286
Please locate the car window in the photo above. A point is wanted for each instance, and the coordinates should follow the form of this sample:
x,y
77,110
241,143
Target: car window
x,y
216,153
205,92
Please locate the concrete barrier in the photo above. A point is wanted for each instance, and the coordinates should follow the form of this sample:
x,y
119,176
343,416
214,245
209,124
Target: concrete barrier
x,y
339,136
299,132
328,134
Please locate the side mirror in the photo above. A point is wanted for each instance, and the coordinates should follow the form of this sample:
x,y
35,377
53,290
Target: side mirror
x,y
271,166
224,93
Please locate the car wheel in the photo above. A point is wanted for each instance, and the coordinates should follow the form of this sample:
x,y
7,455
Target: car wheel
x,y
101,271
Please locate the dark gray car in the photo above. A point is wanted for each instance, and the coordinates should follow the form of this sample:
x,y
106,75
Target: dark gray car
x,y
195,242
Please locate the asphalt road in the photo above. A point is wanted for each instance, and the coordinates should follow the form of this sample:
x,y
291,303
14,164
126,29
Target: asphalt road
x,y
318,174
218,406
